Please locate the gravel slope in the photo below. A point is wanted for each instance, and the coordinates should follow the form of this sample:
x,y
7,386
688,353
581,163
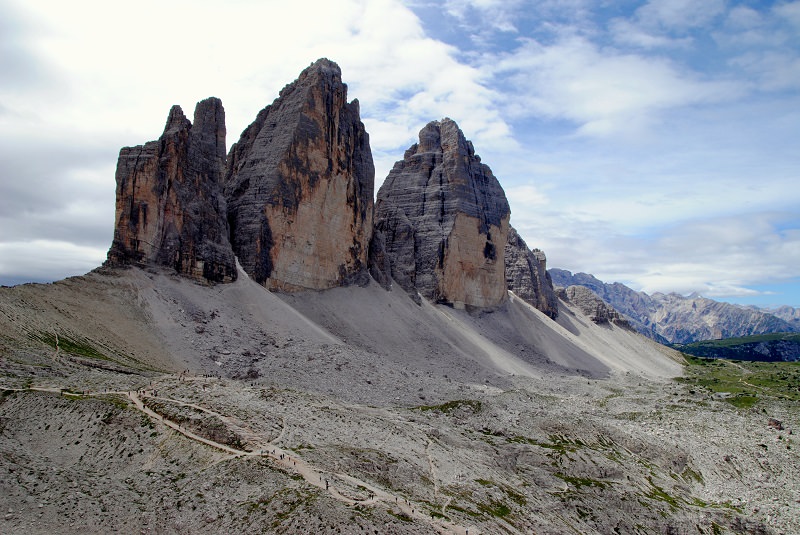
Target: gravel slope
x,y
498,422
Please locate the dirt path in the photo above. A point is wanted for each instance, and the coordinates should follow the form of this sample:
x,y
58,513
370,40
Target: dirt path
x,y
288,460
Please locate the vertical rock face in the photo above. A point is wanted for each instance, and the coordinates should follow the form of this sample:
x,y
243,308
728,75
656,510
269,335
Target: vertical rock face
x,y
443,217
299,187
526,275
169,209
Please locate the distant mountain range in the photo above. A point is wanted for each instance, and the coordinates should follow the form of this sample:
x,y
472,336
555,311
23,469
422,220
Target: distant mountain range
x,y
673,318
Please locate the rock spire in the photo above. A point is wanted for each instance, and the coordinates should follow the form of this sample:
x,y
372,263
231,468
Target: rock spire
x,y
299,187
443,219
169,208
526,275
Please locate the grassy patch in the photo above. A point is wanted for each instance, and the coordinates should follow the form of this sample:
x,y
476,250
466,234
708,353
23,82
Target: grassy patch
x,y
401,516
761,347
495,508
76,346
658,494
745,382
471,405
689,475
116,400
510,492
460,509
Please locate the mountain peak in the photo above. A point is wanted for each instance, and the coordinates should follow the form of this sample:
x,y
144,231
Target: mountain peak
x,y
299,187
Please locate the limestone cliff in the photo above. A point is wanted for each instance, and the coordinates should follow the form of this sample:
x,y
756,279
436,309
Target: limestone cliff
x,y
169,208
299,187
443,217
526,275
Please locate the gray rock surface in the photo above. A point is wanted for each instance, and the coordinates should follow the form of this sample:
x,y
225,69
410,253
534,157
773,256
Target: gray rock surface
x,y
592,306
788,314
424,419
526,274
444,219
299,187
673,318
169,208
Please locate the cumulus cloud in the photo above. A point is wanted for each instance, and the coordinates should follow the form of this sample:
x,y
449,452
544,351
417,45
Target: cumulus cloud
x,y
603,92
679,15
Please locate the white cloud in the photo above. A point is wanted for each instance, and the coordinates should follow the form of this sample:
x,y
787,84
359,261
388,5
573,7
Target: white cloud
x,y
789,11
627,32
772,70
488,15
603,91
57,258
679,14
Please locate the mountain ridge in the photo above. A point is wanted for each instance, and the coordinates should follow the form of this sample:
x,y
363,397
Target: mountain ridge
x,y
673,318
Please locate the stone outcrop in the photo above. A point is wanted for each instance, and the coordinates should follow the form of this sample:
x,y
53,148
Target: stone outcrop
x,y
299,187
169,208
443,219
592,306
526,275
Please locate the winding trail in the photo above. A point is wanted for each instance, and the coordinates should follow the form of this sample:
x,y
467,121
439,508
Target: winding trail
x,y
290,461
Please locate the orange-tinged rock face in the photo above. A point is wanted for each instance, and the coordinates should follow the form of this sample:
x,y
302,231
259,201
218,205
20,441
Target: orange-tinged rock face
x,y
299,187
317,243
473,271
169,209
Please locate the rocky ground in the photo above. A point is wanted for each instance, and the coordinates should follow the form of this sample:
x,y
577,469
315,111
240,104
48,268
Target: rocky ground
x,y
133,402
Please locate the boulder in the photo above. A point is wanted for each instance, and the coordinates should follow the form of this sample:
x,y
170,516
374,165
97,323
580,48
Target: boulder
x,y
169,209
526,275
299,187
444,220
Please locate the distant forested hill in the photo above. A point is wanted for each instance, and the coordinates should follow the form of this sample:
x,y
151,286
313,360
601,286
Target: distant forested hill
x,y
763,347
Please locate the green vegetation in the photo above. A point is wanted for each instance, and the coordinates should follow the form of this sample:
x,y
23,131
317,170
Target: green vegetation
x,y
689,476
731,342
118,401
558,443
658,494
763,347
64,343
744,382
510,492
495,508
471,405
401,516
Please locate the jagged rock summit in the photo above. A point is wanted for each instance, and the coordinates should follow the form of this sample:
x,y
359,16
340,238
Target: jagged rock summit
x,y
299,187
444,219
293,202
526,274
169,207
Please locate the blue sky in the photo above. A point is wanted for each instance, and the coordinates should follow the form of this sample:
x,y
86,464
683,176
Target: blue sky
x,y
654,143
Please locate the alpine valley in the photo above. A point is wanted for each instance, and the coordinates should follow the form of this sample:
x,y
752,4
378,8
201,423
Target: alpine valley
x,y
272,346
